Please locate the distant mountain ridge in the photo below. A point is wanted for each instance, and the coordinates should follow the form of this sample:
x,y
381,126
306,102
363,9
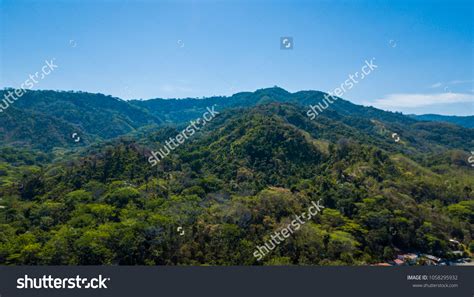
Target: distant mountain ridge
x,y
465,121
47,119
182,110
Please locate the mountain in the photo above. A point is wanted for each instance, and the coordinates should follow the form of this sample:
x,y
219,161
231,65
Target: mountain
x,y
184,110
465,121
242,177
47,119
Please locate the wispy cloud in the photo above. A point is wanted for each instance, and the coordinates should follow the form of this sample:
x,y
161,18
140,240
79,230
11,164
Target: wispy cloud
x,y
436,85
449,83
418,100
457,82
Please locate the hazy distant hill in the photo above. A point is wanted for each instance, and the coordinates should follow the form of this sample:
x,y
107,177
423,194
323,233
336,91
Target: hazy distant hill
x,y
465,121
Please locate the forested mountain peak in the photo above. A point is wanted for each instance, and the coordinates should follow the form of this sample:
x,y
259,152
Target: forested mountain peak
x,y
239,178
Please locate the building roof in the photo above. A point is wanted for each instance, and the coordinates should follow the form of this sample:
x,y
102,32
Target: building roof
x,y
399,262
381,264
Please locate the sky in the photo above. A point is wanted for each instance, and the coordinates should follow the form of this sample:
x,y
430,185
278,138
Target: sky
x,y
423,50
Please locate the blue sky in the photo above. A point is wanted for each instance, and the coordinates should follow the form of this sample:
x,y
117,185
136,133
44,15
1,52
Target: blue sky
x,y
173,49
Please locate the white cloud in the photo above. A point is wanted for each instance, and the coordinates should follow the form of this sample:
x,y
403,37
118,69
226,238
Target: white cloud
x,y
418,100
457,82
436,85
453,82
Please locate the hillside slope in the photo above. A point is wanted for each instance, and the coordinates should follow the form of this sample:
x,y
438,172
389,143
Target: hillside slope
x,y
238,180
47,119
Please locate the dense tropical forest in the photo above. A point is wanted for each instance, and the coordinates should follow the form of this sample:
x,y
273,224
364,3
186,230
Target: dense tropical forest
x,y
97,200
